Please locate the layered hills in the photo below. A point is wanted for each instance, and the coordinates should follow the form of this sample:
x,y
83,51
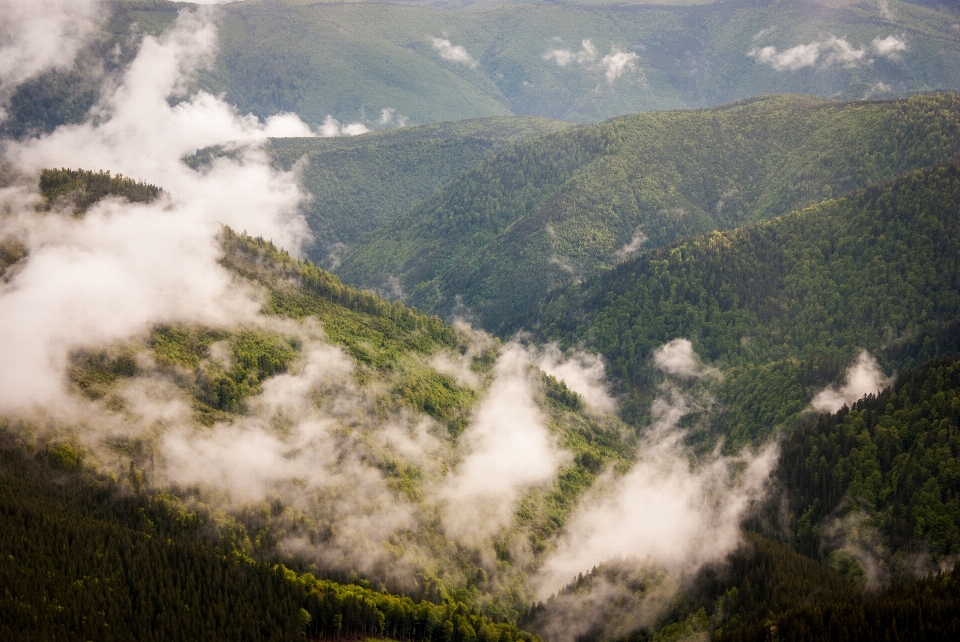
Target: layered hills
x,y
728,408
554,209
783,306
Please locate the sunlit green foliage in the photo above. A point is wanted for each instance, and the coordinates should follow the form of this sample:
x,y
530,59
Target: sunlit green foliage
x,y
11,251
438,396
94,372
391,339
374,331
354,611
222,382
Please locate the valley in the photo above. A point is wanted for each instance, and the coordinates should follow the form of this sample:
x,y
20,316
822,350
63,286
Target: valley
x,y
476,321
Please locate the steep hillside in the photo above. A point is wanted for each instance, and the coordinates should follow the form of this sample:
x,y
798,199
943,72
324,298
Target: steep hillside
x,y
318,425
358,184
496,239
571,61
781,307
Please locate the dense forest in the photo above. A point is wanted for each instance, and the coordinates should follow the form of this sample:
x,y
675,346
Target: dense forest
x,y
81,189
854,461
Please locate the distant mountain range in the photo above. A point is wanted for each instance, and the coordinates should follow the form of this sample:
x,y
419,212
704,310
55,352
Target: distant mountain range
x,y
386,64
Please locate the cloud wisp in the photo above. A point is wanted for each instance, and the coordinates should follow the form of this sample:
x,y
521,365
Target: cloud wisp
x,y
40,35
678,358
107,278
829,52
507,450
452,52
581,372
633,246
862,378
613,65
124,267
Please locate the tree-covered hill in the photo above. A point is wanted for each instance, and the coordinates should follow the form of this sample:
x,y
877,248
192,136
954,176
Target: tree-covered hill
x,y
357,184
65,95
360,373
497,238
783,306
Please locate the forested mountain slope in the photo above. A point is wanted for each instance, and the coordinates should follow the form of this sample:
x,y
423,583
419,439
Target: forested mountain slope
x,y
90,557
65,94
497,238
357,184
890,460
783,306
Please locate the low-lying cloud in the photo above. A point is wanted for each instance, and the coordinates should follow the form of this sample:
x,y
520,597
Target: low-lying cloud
x,y
123,267
669,514
332,127
563,57
581,372
507,450
452,52
889,46
634,245
616,63
826,53
389,116
864,377
679,358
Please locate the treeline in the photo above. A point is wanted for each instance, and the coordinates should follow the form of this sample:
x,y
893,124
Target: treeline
x,y
779,595
782,305
84,558
925,610
82,188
